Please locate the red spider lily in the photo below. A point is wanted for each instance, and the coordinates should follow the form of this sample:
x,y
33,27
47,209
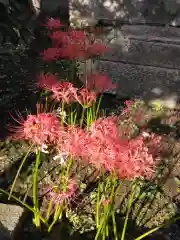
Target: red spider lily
x,y
86,98
51,54
136,161
105,127
79,51
129,159
77,36
59,196
74,51
64,92
129,104
59,38
43,128
47,80
73,141
77,45
53,24
96,48
100,82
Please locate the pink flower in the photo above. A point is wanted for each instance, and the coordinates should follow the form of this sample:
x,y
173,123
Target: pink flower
x,y
105,127
53,24
63,196
136,161
99,82
97,48
78,36
86,98
129,159
47,80
64,92
106,202
74,51
51,54
73,141
59,38
129,105
40,129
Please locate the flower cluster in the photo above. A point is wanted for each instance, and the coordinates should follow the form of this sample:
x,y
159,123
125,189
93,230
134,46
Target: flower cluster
x,y
71,44
102,146
59,196
40,129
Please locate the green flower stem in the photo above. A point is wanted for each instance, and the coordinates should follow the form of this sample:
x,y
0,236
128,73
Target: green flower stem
x,y
50,204
62,117
18,172
98,204
103,228
98,107
114,224
35,190
25,205
57,215
82,117
128,211
157,228
89,117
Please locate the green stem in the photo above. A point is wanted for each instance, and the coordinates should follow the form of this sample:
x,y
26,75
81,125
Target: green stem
x,y
157,228
49,210
57,214
62,117
98,205
35,189
98,107
114,225
19,170
25,205
82,117
128,212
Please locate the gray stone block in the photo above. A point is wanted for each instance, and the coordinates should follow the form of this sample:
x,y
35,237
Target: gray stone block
x,y
145,53
9,220
152,33
139,81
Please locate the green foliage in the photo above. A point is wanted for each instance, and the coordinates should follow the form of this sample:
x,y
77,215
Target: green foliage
x,y
13,22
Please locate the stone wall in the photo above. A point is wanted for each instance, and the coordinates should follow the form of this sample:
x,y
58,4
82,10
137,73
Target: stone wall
x,y
157,11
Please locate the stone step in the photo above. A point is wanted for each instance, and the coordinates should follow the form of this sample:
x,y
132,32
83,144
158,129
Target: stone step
x,y
139,81
145,53
152,33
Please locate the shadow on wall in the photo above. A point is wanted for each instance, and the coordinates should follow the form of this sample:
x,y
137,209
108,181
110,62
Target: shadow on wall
x,y
151,11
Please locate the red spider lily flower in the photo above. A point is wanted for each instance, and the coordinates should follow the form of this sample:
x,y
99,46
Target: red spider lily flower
x,y
74,51
51,54
129,159
86,98
96,48
59,38
40,129
106,202
105,127
136,161
47,80
80,46
73,141
60,196
99,82
53,24
129,104
64,92
78,36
